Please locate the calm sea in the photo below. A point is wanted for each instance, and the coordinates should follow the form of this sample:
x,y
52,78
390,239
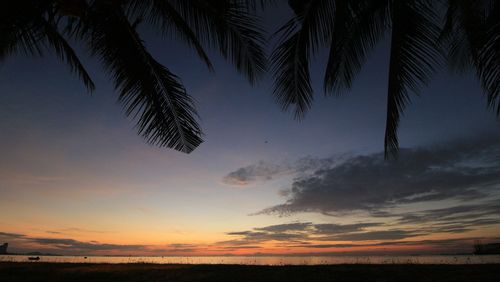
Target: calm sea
x,y
267,260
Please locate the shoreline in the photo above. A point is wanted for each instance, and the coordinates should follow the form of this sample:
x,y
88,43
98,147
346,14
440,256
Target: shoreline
x,y
43,271
262,260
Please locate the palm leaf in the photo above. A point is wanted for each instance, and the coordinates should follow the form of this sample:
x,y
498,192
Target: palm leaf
x,y
413,58
472,33
357,28
292,81
58,43
25,28
149,91
231,29
488,67
299,39
18,33
163,15
489,70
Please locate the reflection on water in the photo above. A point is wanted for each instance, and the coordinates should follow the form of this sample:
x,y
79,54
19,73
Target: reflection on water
x,y
268,260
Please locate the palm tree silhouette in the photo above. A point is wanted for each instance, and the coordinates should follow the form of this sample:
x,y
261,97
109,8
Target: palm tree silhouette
x,y
423,34
149,91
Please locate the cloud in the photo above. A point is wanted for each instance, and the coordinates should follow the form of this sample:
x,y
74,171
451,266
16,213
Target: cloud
x,y
74,245
455,242
264,171
302,232
253,173
288,232
463,170
364,234
11,235
456,214
252,237
330,228
67,244
74,230
395,198
181,248
456,219
239,247
376,235
298,226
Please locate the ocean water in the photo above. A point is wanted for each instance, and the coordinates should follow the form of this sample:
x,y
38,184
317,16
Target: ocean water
x,y
266,260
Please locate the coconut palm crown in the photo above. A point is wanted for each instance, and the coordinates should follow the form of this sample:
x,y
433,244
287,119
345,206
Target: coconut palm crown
x,y
149,91
423,35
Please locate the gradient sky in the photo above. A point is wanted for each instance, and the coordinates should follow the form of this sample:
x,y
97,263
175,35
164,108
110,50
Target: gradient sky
x,y
76,179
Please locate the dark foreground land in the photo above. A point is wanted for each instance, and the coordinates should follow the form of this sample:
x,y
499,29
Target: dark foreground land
x,y
13,272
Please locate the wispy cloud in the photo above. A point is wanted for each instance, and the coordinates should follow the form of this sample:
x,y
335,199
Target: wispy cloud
x,y
10,235
265,171
74,230
304,235
26,243
181,248
76,246
65,244
392,234
454,243
253,173
300,232
456,214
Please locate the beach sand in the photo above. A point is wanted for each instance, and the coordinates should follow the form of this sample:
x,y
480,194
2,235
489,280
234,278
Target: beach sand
x,y
12,272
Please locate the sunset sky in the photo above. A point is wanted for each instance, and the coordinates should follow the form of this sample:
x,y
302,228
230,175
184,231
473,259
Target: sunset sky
x,y
75,178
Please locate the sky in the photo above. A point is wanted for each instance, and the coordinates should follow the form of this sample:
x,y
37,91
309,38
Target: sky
x,y
75,178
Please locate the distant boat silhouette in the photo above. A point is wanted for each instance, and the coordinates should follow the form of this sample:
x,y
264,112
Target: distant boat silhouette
x,y
486,249
3,248
34,258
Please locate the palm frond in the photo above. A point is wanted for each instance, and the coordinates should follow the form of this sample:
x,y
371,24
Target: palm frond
x,y
231,29
489,70
413,59
18,33
357,28
149,91
292,82
25,28
23,40
472,33
458,34
315,20
488,67
58,43
299,39
163,15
